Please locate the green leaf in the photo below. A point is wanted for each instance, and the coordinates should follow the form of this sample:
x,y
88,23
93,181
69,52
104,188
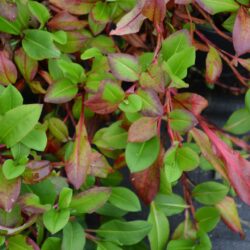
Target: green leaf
x,y
72,71
217,6
170,204
45,190
247,100
123,232
54,220
132,104
207,218
105,245
73,237
18,242
90,53
124,199
181,61
113,93
159,233
124,67
38,44
210,193
61,91
229,23
58,129
65,197
175,43
39,11
18,122
90,200
140,156
52,243
238,122
181,245
11,170
182,120
9,27
60,37
36,139
9,99
113,137
187,159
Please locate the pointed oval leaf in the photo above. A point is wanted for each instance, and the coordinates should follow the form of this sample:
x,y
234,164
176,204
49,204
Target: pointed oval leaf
x,y
159,234
140,156
26,65
123,232
229,213
73,237
124,199
142,130
18,122
38,44
210,192
124,67
8,72
90,200
9,191
241,34
54,220
60,92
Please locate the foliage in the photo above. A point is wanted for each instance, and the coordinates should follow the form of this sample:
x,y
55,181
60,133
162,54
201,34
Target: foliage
x,y
88,88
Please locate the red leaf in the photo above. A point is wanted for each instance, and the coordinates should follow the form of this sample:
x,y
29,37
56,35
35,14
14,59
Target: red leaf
x,y
155,10
193,102
65,21
213,65
241,32
131,22
142,130
78,164
147,182
9,192
8,72
27,66
229,214
237,168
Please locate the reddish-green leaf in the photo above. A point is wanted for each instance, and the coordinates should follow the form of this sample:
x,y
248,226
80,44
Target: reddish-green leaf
x,y
61,91
241,33
213,66
191,101
89,201
8,72
75,7
182,120
65,21
229,214
237,167
26,65
78,164
124,67
9,191
155,10
131,22
147,182
142,130
151,104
